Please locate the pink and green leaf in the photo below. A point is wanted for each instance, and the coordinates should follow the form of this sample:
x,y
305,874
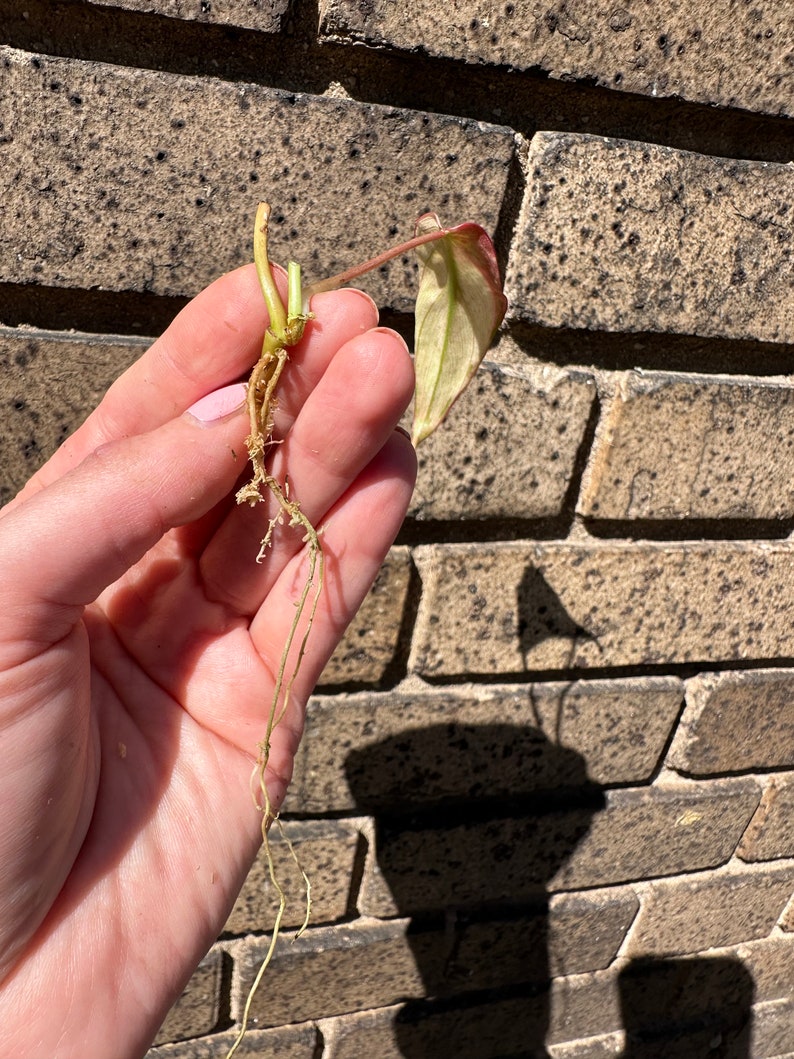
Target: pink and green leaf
x,y
459,307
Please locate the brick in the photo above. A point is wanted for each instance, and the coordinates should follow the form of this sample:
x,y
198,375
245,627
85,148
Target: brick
x,y
326,851
773,1028
710,911
459,475
604,1046
369,647
629,834
517,606
584,1012
769,835
287,1042
263,15
148,181
385,752
673,447
196,1011
331,970
622,236
575,933
81,367
735,722
714,53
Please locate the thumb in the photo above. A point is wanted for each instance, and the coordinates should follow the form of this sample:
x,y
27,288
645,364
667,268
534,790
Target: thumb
x,y
63,546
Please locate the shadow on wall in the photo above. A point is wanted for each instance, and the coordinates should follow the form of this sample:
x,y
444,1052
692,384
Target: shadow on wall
x,y
472,824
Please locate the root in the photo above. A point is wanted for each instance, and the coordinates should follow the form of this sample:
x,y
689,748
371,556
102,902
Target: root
x,y
285,330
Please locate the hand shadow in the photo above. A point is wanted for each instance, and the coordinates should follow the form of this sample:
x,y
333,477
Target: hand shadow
x,y
687,1008
472,822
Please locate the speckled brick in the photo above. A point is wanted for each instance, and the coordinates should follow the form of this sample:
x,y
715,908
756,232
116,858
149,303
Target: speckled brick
x,y
382,752
715,52
479,463
712,910
370,644
287,1042
332,970
735,722
770,835
196,1011
624,835
524,606
622,236
674,447
576,933
326,851
149,181
49,383
263,15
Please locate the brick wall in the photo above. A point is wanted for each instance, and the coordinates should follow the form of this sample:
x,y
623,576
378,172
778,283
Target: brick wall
x,y
546,790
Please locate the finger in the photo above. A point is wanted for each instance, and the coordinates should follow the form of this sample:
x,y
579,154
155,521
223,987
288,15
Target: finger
x,y
358,532
67,543
342,425
213,341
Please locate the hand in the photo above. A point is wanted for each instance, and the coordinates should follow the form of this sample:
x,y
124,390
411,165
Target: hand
x,y
138,643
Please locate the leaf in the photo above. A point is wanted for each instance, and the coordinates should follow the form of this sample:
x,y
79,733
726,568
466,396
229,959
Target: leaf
x,y
459,307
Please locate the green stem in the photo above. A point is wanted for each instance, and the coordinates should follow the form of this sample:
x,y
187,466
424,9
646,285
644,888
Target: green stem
x,y
275,306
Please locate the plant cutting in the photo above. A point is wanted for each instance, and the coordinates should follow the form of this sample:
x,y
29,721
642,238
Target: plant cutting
x,y
459,307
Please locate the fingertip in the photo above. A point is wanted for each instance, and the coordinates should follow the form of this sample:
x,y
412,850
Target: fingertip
x,y
349,303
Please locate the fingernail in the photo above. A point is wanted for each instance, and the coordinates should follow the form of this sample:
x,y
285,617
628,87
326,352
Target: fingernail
x,y
219,404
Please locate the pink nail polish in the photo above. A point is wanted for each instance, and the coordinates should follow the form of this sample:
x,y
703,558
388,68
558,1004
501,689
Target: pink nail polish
x,y
219,404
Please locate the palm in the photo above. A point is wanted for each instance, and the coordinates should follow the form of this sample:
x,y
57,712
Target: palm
x,y
157,694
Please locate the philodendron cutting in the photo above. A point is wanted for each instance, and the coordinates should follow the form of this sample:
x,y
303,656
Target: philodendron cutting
x,y
459,307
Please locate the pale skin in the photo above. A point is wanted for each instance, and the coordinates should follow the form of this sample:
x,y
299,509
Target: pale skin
x,y
138,642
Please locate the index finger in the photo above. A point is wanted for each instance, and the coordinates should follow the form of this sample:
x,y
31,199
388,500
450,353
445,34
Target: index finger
x,y
213,341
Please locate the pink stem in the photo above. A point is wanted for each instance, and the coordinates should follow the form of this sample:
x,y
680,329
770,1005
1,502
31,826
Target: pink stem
x,y
341,279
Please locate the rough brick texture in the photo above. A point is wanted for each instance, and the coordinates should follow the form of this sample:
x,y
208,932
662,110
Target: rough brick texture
x,y
684,446
263,15
509,608
458,477
621,236
380,753
33,425
716,52
769,835
621,836
166,207
544,795
734,722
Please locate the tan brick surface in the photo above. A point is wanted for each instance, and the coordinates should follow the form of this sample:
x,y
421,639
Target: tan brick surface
x,y
369,645
196,1012
151,180
585,1006
674,446
630,834
262,15
399,748
710,911
518,606
326,851
533,418
770,834
714,52
331,970
576,933
286,1042
622,236
35,422
735,722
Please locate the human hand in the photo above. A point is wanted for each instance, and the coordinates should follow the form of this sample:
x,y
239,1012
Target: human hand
x,y
138,643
